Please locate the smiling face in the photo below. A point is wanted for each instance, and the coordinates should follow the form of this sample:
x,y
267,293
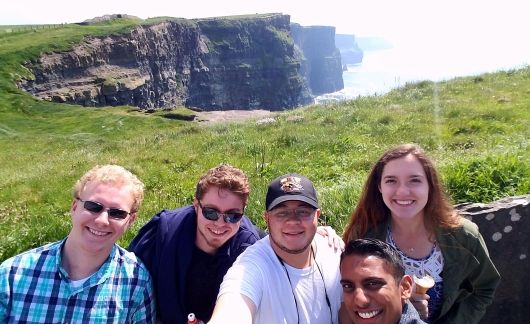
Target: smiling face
x,y
211,235
404,187
370,291
95,233
291,233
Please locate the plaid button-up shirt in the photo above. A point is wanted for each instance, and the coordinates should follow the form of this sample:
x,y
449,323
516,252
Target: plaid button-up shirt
x,y
34,288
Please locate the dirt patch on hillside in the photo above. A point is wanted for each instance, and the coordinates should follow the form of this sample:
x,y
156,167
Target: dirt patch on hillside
x,y
212,117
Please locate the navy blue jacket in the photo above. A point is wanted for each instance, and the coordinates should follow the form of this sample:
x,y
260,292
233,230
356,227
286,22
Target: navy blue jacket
x,y
409,315
165,245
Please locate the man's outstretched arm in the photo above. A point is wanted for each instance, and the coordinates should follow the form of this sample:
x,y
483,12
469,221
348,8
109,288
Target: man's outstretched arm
x,y
233,308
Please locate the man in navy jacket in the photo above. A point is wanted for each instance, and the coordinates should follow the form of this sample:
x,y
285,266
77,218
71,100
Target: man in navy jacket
x,y
188,250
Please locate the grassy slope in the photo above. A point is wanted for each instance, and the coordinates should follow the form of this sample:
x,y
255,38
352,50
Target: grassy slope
x,y
476,129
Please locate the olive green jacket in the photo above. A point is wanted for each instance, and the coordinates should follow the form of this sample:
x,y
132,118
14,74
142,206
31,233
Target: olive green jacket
x,y
469,276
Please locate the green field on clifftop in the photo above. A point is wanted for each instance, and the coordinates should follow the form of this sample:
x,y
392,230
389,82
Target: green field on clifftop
x,y
475,128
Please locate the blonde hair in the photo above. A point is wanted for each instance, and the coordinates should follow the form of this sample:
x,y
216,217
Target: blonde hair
x,y
112,174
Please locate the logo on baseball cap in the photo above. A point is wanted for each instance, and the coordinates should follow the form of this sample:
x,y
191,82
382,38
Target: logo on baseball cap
x,y
291,186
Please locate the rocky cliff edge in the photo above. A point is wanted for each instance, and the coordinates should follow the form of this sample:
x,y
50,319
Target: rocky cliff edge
x,y
244,63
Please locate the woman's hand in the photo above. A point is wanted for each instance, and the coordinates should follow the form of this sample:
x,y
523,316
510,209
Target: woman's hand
x,y
420,302
333,239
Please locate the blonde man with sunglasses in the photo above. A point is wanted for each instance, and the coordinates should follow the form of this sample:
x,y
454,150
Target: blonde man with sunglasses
x,y
86,277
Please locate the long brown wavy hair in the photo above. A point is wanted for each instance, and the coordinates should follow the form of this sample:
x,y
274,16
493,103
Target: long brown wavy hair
x,y
371,209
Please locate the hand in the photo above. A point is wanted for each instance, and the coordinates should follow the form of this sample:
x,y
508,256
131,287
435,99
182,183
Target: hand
x,y
421,303
333,239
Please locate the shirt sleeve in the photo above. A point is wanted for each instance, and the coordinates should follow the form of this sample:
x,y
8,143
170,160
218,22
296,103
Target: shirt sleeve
x,y
484,280
145,311
4,292
244,277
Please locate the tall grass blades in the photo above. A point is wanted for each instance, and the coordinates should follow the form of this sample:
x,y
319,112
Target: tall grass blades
x,y
475,129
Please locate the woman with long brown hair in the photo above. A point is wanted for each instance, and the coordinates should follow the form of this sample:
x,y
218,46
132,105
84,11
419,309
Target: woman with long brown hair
x,y
404,204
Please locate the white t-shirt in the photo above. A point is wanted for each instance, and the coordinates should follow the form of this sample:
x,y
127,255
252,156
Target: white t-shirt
x,y
259,275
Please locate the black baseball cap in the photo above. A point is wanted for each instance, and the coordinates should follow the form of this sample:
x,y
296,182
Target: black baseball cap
x,y
291,186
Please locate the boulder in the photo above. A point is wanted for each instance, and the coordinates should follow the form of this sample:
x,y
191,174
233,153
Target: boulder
x,y
505,226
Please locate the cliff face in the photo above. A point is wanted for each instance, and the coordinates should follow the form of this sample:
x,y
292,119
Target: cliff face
x,y
322,66
150,67
212,64
350,51
252,64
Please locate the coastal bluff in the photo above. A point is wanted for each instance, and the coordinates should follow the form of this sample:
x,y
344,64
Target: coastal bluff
x,y
322,63
350,51
240,62
505,226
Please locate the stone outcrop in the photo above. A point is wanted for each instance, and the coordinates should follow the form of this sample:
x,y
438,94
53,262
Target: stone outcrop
x,y
350,51
250,64
214,64
148,67
97,20
322,65
505,226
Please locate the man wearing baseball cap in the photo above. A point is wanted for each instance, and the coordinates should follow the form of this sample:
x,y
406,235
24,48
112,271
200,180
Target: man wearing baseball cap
x,y
291,275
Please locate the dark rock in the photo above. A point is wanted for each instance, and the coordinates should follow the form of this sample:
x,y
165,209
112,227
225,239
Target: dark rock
x,y
179,116
505,226
252,63
212,64
321,62
58,98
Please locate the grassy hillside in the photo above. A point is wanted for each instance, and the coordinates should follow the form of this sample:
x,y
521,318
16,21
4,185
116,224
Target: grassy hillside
x,y
475,128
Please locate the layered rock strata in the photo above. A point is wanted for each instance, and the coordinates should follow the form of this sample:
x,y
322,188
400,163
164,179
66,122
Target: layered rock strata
x,y
214,64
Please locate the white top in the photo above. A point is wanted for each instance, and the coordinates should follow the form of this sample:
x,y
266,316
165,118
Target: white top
x,y
259,275
431,265
78,283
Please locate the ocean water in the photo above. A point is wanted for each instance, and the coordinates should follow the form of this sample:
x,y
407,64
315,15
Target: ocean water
x,y
384,70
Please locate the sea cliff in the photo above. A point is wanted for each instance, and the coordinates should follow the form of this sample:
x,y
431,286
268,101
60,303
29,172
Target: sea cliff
x,y
240,62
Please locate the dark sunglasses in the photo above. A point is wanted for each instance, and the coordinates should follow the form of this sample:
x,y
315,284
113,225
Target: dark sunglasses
x,y
214,214
96,208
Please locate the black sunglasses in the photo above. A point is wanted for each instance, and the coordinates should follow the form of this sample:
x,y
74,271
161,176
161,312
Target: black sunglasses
x,y
214,214
96,208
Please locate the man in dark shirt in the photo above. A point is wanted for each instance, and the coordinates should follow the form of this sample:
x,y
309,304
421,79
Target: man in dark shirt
x,y
188,250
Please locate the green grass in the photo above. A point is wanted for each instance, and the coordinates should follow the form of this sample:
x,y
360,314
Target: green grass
x,y
476,130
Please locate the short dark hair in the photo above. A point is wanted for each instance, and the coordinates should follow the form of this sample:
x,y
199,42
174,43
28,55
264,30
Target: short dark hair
x,y
377,248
